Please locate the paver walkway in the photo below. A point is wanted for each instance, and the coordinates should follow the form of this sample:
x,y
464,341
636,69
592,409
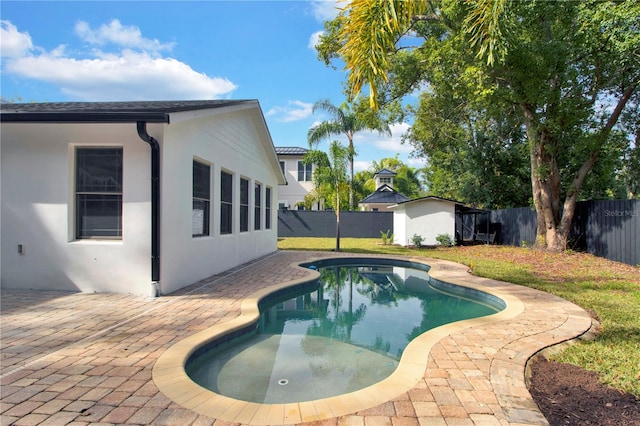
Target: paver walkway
x,y
86,359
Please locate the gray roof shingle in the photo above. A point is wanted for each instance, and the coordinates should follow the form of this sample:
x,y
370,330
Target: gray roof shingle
x,y
386,195
127,111
290,150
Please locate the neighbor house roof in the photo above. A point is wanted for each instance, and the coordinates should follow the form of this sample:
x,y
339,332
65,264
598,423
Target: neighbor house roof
x,y
106,112
290,150
385,172
385,195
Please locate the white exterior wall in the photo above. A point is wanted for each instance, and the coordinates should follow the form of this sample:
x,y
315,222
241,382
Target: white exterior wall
x,y
427,218
400,226
37,183
226,141
295,190
38,211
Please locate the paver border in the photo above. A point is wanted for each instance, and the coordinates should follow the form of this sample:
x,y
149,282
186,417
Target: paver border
x,y
170,377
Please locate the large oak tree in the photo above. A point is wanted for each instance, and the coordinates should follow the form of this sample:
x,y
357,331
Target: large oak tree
x,y
566,71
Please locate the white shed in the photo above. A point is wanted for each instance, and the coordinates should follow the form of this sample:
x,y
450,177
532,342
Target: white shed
x,y
134,197
427,217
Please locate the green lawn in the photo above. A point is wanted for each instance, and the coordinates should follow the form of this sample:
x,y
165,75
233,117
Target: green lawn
x,y
610,291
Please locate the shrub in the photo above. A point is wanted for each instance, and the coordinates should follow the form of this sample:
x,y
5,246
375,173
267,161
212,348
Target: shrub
x,y
387,237
444,240
417,240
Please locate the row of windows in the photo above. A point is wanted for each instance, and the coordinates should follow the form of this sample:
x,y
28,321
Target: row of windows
x,y
305,171
202,198
98,192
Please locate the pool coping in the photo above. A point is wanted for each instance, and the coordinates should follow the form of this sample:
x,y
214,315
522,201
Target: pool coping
x,y
170,377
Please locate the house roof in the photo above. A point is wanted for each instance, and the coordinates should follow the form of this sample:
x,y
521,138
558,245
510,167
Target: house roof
x,y
290,150
106,112
385,195
129,112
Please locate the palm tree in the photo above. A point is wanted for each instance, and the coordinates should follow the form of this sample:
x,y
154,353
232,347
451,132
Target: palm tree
x,y
330,170
345,122
372,28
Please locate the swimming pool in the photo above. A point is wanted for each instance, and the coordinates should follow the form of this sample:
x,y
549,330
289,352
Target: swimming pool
x,y
340,333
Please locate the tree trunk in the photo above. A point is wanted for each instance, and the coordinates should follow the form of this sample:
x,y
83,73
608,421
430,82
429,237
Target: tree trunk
x,y
554,223
351,155
337,217
545,184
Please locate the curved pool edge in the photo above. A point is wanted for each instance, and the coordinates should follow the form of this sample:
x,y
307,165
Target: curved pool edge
x,y
170,377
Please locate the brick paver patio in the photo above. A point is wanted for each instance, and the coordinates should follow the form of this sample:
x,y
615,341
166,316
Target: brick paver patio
x,y
87,359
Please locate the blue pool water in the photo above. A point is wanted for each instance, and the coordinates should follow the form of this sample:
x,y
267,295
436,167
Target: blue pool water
x,y
341,333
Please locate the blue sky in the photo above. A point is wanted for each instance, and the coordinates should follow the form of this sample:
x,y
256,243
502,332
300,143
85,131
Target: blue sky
x,y
147,50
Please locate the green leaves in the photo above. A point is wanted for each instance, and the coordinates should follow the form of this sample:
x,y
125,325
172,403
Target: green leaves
x,y
330,171
484,24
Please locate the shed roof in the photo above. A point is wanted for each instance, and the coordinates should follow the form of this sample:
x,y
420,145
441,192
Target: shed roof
x,y
460,208
429,198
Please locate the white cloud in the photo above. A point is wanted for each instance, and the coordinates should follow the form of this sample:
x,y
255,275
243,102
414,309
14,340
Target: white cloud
x,y
12,42
418,163
294,111
115,33
314,39
393,144
128,76
324,10
121,74
359,166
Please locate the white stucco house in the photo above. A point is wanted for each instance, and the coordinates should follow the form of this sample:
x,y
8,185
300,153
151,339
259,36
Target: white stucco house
x,y
427,217
299,178
134,197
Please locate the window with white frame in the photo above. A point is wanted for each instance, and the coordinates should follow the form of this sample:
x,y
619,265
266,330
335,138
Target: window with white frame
x,y
282,166
257,203
98,193
267,208
304,171
201,199
244,205
226,203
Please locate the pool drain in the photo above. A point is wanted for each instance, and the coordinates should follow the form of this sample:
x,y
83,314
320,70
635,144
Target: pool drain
x,y
283,382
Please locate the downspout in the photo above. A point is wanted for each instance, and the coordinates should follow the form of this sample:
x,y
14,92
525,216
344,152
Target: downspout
x,y
155,205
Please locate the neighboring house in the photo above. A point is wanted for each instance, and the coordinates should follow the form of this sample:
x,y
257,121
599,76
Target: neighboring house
x,y
299,178
134,197
384,196
429,217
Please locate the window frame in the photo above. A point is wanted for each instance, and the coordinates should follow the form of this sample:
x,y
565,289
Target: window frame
x,y
82,195
244,204
305,171
267,208
257,206
199,197
226,203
